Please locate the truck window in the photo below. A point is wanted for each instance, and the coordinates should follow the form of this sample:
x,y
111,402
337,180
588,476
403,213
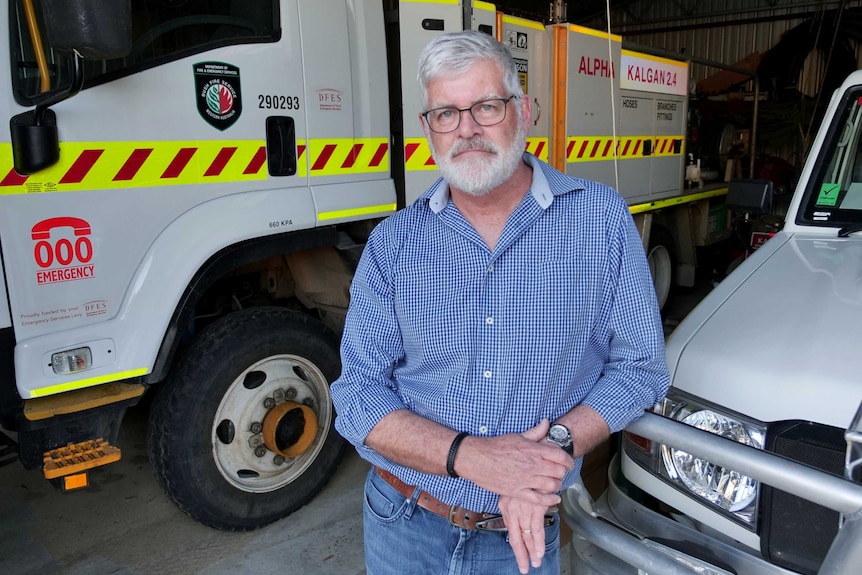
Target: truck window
x,y
162,30
835,195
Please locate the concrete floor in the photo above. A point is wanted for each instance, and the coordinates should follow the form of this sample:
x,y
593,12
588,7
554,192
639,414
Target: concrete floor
x,y
124,524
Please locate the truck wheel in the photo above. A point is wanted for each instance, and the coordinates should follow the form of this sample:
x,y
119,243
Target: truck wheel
x,y
660,257
242,432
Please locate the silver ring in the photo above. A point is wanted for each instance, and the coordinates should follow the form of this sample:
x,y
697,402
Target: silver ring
x,y
526,531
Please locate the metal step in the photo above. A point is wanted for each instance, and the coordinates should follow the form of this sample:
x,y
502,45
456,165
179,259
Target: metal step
x,y
78,457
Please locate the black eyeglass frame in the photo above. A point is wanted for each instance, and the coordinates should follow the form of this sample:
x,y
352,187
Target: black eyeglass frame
x,y
472,115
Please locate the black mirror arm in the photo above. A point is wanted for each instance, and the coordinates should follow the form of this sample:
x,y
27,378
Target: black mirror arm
x,y
75,86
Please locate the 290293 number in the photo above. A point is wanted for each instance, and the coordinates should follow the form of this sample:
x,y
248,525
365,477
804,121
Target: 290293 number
x,y
269,102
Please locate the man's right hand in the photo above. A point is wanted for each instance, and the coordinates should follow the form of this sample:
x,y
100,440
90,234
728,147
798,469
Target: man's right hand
x,y
520,465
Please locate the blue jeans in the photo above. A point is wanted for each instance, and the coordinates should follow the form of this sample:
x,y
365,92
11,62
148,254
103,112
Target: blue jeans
x,y
401,538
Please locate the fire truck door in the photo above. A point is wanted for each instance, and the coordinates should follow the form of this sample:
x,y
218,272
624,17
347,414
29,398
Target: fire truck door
x,y
347,148
177,125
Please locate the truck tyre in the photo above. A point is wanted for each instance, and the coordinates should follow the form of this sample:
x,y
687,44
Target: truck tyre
x,y
242,434
661,256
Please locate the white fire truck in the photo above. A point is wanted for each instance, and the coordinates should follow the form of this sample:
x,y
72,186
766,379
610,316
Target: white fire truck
x,y
185,188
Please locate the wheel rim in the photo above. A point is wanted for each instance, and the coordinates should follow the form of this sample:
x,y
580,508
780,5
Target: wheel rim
x,y
291,395
660,268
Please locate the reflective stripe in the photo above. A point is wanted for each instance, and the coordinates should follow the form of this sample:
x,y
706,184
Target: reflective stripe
x,y
339,156
381,209
597,148
91,381
118,165
417,153
111,165
479,5
639,208
515,21
538,147
592,32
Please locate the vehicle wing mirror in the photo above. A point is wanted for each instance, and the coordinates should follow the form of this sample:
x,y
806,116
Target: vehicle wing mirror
x,y
95,29
90,29
750,196
35,139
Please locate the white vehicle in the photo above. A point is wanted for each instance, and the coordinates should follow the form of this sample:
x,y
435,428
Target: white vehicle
x,y
185,188
768,360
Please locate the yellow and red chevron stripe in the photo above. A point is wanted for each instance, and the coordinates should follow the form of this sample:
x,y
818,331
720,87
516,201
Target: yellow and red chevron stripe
x,y
538,147
116,165
106,165
598,148
417,153
340,156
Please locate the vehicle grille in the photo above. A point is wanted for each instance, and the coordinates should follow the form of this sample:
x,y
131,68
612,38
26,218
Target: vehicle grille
x,y
796,534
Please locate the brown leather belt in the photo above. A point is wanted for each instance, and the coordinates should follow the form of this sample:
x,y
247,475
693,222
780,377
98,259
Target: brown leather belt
x,y
457,516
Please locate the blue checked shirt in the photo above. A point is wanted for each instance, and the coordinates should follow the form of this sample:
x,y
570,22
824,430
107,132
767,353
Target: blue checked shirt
x,y
562,312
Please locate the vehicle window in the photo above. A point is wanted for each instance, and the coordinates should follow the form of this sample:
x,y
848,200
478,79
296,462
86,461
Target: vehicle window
x,y
835,195
162,30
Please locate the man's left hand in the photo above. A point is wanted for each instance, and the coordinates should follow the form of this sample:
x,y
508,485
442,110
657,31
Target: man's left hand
x,y
526,524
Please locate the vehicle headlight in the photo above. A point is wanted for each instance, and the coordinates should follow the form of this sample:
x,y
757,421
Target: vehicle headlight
x,y
723,487
727,491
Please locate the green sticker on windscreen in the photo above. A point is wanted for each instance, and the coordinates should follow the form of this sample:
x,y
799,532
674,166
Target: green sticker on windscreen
x,y
828,194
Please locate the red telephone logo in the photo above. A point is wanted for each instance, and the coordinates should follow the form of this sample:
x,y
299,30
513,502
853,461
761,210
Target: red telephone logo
x,y
63,251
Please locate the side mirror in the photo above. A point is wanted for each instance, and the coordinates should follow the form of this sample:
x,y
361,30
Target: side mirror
x,y
35,140
91,29
750,196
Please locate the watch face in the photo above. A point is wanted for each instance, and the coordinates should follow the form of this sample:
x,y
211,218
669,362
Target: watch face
x,y
559,434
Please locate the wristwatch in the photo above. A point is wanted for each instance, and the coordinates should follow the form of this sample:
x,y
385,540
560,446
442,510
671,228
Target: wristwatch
x,y
560,434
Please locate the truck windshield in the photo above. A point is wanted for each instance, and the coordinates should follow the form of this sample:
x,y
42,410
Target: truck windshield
x,y
834,196
162,30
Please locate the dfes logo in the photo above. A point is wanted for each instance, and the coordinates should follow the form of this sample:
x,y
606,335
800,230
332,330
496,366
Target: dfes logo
x,y
63,250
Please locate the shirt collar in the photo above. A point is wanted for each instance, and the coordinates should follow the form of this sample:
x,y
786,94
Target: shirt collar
x,y
539,188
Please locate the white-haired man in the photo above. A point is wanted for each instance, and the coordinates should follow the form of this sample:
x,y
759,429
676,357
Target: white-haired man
x,y
499,328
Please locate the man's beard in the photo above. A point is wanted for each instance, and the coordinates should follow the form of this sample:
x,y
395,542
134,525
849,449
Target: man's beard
x,y
478,176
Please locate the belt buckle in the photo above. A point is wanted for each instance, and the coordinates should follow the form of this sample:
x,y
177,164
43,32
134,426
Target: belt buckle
x,y
496,523
452,511
492,523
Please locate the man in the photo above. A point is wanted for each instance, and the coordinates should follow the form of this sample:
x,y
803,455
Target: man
x,y
507,297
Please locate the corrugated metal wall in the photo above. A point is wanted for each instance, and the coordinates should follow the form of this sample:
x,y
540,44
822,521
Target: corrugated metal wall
x,y
724,31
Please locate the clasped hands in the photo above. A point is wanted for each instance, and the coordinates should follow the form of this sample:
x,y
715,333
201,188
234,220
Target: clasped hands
x,y
527,472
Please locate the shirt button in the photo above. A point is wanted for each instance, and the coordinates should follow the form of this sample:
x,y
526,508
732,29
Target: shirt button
x,y
483,429
489,320
490,268
487,374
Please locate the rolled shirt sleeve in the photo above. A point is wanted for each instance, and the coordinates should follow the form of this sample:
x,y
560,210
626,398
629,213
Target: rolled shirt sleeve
x,y
370,347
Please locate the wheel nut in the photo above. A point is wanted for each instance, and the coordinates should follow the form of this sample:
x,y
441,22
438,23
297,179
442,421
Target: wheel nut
x,y
269,403
290,393
278,460
309,402
260,451
256,427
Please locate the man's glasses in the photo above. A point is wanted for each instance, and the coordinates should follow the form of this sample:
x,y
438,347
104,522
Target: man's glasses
x,y
485,113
